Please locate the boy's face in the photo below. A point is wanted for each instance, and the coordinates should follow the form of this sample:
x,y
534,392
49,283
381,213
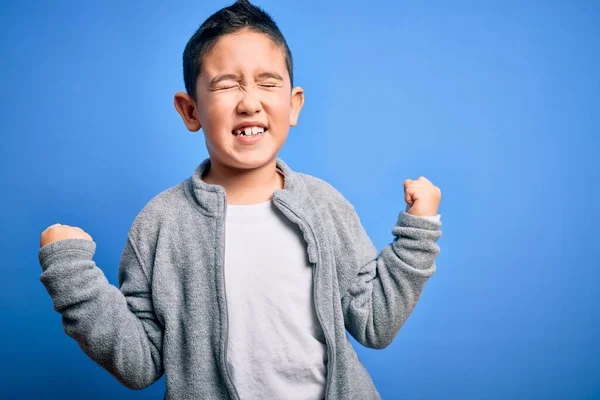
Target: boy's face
x,y
244,80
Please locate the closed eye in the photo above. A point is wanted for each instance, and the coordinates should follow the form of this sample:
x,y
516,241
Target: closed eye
x,y
226,87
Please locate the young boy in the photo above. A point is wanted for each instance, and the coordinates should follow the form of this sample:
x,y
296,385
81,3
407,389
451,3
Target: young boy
x,y
242,280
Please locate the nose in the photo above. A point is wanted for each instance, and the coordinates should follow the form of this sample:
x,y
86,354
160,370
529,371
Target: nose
x,y
249,103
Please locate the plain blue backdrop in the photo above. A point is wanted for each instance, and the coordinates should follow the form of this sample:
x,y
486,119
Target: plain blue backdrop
x,y
497,103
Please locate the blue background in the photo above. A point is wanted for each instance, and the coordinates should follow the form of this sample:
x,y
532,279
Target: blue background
x,y
497,103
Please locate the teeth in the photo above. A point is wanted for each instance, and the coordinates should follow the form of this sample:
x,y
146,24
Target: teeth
x,y
249,131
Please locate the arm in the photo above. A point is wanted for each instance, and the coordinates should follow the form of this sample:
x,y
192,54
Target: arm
x,y
388,285
118,329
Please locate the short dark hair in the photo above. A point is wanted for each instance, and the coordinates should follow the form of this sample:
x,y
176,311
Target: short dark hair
x,y
238,16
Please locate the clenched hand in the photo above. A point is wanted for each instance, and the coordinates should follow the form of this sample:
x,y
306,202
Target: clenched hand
x,y
422,197
58,232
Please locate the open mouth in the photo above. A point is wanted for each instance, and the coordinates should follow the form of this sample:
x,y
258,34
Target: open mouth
x,y
249,131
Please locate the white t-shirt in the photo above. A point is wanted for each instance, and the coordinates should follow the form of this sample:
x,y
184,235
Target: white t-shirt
x,y
276,347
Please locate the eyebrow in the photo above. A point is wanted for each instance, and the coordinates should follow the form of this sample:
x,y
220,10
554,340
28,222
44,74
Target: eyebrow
x,y
269,75
220,78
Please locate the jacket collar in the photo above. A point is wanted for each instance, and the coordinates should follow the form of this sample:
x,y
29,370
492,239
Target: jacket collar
x,y
211,198
212,201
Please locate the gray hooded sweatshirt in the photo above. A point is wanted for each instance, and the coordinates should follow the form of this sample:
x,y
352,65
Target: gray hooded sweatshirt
x,y
169,314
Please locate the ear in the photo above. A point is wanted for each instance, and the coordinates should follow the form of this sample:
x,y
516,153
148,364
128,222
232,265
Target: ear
x,y
186,107
296,104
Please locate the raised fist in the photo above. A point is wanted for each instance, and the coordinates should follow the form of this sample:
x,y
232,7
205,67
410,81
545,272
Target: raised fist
x,y
422,197
58,232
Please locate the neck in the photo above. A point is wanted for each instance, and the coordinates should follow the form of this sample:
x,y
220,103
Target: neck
x,y
246,186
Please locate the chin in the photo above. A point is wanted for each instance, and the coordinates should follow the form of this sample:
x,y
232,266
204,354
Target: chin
x,y
249,161
256,161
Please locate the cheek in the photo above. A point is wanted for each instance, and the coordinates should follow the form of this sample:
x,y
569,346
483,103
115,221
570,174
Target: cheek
x,y
217,112
279,108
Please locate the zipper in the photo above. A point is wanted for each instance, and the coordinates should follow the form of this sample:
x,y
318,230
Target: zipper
x,y
228,373
330,360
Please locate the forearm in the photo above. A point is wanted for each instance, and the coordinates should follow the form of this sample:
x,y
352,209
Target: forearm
x,y
97,314
389,285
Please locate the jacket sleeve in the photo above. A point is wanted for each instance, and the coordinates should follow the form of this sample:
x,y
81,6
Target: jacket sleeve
x,y
118,329
386,286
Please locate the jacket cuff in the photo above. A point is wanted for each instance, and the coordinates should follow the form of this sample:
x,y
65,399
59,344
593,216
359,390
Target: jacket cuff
x,y
74,246
412,221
